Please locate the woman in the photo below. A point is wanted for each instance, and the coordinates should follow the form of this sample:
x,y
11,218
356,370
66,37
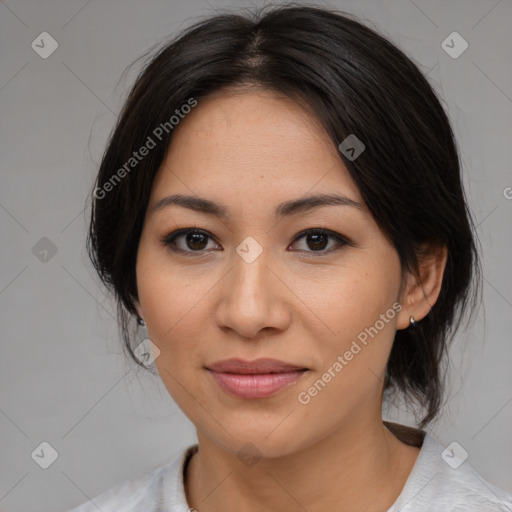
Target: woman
x,y
281,207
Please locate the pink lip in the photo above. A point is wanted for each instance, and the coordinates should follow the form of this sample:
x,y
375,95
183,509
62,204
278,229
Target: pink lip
x,y
254,379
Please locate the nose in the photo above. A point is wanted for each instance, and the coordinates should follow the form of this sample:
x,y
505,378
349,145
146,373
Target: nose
x,y
253,298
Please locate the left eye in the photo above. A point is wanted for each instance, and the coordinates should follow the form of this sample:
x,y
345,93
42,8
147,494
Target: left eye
x,y
196,240
317,239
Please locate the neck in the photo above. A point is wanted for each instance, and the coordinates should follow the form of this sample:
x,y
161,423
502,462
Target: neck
x,y
359,467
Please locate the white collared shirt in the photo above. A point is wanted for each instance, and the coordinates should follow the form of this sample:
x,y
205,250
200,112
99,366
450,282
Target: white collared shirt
x,y
432,486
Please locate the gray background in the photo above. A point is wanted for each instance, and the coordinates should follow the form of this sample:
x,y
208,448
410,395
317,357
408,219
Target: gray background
x,y
63,376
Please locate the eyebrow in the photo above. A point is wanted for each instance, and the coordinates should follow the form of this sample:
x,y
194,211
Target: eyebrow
x,y
285,209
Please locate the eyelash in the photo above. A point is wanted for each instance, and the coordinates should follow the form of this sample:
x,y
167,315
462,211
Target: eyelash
x,y
169,240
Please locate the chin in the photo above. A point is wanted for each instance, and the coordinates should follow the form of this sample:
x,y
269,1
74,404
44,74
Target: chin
x,y
258,437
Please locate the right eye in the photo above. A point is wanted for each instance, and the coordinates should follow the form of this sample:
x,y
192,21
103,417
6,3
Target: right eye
x,y
187,241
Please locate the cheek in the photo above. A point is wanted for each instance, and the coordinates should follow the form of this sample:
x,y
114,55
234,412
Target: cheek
x,y
168,300
358,314
347,299
169,296
351,375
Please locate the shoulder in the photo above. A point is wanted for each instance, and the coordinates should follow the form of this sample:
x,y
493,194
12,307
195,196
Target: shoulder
x,y
158,490
442,479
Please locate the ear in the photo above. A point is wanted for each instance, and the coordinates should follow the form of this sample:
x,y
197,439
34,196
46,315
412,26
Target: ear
x,y
422,290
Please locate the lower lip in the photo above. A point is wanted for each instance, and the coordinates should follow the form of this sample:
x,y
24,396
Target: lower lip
x,y
255,386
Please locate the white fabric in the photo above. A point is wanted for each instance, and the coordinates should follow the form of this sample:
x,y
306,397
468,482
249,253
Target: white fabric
x,y
432,486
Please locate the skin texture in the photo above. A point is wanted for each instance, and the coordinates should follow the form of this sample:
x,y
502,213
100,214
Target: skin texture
x,y
251,150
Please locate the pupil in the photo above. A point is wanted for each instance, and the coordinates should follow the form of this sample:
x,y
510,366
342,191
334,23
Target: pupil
x,y
314,239
194,240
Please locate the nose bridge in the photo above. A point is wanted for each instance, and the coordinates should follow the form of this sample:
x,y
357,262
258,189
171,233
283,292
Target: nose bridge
x,y
250,297
251,273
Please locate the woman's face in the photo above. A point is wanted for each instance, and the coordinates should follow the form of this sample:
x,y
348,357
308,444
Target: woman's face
x,y
250,284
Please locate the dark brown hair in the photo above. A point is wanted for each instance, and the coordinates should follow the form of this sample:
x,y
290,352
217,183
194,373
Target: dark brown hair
x,y
356,82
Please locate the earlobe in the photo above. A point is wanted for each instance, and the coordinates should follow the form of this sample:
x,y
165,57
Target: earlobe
x,y
139,310
423,289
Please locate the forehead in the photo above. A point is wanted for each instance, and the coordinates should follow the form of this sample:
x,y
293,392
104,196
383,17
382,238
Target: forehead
x,y
254,144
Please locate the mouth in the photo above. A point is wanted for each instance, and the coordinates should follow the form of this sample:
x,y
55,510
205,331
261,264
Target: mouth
x,y
254,379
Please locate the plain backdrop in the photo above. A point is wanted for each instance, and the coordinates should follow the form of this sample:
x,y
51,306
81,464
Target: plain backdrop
x,y
63,377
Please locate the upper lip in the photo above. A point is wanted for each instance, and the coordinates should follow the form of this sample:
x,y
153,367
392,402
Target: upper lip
x,y
258,366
